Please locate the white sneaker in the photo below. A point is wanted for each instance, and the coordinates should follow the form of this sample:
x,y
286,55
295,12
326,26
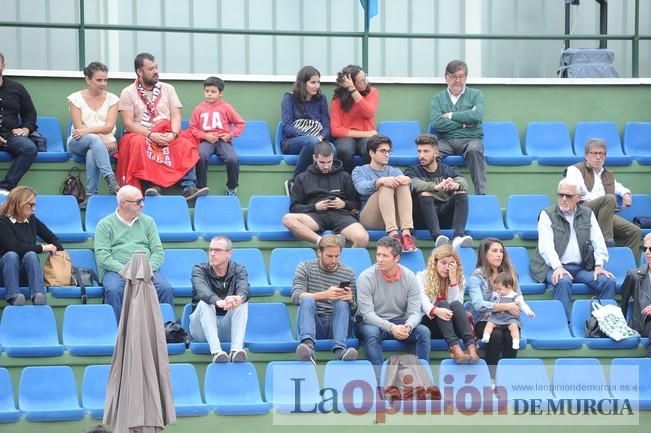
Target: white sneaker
x,y
220,357
441,240
238,355
461,241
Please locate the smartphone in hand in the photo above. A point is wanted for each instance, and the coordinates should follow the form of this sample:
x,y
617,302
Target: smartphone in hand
x,y
344,284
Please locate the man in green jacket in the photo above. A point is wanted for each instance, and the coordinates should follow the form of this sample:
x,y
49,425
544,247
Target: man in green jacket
x,y
455,117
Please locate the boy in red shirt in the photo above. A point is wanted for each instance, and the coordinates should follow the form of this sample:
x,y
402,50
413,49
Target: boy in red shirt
x,y
215,123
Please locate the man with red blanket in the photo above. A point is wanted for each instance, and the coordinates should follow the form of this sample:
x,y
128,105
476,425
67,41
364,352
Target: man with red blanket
x,y
154,150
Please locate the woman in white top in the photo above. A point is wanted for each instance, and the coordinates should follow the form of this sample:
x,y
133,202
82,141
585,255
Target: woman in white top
x,y
94,112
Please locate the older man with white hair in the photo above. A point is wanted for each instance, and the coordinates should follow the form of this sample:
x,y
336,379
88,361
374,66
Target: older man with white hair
x,y
571,248
117,237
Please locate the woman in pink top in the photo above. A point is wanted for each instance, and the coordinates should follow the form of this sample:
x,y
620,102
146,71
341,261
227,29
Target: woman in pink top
x,y
352,115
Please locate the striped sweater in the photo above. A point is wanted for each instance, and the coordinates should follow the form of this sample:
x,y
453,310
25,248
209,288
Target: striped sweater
x,y
309,277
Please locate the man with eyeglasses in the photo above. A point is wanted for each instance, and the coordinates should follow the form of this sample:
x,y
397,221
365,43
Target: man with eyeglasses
x,y
385,194
117,237
455,117
571,249
637,285
220,291
17,122
599,191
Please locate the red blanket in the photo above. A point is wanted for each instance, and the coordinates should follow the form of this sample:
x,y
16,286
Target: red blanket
x,y
140,159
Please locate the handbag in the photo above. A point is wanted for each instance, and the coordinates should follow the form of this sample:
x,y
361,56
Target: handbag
x,y
39,140
592,325
612,322
57,269
174,332
82,277
308,126
588,256
72,185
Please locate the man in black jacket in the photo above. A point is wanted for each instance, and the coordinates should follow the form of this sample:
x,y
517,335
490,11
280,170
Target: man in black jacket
x,y
637,285
220,290
323,198
17,121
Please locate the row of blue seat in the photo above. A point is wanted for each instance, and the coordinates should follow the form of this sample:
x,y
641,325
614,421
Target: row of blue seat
x,y
90,330
223,215
49,393
548,143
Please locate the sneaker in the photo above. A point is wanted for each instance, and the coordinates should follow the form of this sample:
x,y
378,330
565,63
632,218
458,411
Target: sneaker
x,y
238,355
461,241
220,357
112,184
192,192
39,299
288,187
349,354
4,191
18,301
399,239
408,244
305,352
441,240
231,192
152,191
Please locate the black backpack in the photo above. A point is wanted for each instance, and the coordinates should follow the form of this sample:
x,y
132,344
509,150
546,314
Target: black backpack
x,y
72,185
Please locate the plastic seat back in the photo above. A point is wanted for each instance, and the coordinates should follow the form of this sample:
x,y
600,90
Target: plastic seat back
x,y
282,265
265,215
609,133
38,339
8,411
402,134
522,211
93,389
502,144
253,261
60,213
89,329
269,328
220,215
234,389
280,385
549,143
177,268
254,145
172,217
357,259
49,394
186,392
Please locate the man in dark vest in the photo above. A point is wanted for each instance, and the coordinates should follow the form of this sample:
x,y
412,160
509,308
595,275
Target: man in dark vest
x,y
599,190
571,248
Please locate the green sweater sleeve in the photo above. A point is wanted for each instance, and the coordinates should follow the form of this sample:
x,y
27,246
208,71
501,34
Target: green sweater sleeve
x,y
156,254
472,109
441,104
103,242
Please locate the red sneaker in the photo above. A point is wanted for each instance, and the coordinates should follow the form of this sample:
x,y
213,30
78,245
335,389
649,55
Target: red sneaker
x,y
408,244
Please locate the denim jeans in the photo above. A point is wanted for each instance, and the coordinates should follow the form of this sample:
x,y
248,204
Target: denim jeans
x,y
114,291
303,146
205,325
14,270
226,153
603,286
434,215
24,152
314,326
190,178
373,336
98,161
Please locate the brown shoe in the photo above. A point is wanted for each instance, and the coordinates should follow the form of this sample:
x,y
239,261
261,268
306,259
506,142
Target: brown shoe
x,y
472,353
458,355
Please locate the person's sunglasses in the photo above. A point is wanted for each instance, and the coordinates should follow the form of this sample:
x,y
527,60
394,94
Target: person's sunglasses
x,y
646,249
138,202
567,196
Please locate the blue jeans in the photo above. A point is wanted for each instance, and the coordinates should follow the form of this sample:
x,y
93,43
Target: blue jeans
x,y
603,286
14,269
24,152
190,178
114,291
98,161
373,336
226,153
314,326
303,146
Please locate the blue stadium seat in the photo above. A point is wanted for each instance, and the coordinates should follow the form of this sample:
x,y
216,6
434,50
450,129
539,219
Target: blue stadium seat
x,y
220,215
280,385
637,141
413,261
356,258
620,260
233,389
581,311
49,127
199,347
254,145
502,144
548,330
61,214
608,132
522,211
264,217
520,259
641,207
524,379
278,138
97,208
49,394
448,160
38,339
485,218
340,375
167,312
282,265
89,330
452,375
269,328
82,258
8,411
579,378
177,268
402,134
549,144
172,218
186,392
468,261
253,261
93,389
630,379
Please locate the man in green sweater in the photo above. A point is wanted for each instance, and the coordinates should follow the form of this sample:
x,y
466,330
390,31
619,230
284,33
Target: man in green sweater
x,y
117,237
455,117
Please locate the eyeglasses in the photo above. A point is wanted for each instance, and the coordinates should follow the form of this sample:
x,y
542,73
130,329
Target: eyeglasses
x,y
384,151
138,202
646,249
457,77
218,250
567,196
597,153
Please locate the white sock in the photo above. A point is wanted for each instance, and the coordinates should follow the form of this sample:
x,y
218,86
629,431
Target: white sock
x,y
486,338
318,240
516,343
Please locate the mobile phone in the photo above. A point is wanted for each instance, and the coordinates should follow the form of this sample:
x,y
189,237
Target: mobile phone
x,y
344,284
